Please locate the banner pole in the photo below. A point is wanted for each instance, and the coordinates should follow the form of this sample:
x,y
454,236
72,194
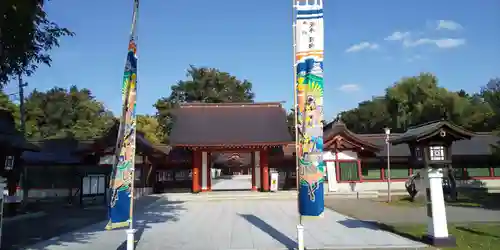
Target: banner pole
x,y
300,227
308,40
131,231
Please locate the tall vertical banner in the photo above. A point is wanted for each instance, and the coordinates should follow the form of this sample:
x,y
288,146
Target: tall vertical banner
x,y
309,86
122,177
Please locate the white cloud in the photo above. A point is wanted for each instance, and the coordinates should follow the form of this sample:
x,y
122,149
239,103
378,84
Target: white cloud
x,y
448,25
349,88
398,36
443,43
449,43
362,46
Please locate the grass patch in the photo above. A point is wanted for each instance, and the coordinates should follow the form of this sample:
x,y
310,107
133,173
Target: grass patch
x,y
478,199
475,236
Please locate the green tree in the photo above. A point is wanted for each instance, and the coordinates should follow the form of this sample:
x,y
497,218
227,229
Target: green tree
x,y
416,100
7,104
369,117
206,85
491,94
59,113
150,127
26,37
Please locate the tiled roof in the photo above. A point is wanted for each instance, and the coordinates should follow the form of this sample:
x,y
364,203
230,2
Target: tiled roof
x,y
339,128
107,142
234,124
423,131
9,134
235,158
480,144
56,151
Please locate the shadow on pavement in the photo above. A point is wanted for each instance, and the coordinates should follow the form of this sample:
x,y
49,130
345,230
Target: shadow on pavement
x,y
353,223
270,230
148,210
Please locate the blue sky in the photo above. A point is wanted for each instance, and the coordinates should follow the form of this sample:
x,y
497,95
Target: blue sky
x,y
369,46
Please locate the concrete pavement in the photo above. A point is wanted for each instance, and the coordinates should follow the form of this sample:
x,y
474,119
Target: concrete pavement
x,y
235,182
231,224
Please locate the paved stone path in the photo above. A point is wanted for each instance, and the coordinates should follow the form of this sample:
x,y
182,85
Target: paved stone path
x,y
58,219
234,224
237,182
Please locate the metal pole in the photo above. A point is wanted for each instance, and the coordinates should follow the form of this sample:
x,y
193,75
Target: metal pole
x,y
294,67
131,231
300,227
21,104
388,169
24,177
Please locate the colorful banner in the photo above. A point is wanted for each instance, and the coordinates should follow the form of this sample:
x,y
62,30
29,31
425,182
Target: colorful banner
x,y
309,86
121,181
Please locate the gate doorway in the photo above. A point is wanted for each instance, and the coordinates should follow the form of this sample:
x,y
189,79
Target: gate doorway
x,y
231,171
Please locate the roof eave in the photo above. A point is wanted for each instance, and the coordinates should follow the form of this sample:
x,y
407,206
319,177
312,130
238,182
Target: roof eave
x,y
352,137
465,134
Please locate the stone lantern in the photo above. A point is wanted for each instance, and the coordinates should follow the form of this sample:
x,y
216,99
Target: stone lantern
x,y
430,145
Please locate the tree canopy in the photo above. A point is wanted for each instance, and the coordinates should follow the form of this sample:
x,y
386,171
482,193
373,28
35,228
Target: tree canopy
x,y
26,37
59,113
7,104
206,85
419,99
149,125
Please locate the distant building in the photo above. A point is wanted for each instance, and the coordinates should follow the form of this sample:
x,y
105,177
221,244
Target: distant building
x,y
12,145
362,159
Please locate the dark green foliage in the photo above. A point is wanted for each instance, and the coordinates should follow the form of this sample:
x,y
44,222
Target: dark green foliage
x,y
7,104
149,126
26,37
60,113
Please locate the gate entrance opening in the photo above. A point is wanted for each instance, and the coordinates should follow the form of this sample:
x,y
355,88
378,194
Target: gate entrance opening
x,y
231,171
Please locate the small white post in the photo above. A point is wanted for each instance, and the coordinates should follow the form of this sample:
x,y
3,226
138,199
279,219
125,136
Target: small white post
x,y
437,228
300,237
387,142
130,239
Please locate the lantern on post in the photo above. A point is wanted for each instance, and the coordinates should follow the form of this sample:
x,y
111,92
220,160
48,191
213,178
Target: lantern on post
x,y
430,145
